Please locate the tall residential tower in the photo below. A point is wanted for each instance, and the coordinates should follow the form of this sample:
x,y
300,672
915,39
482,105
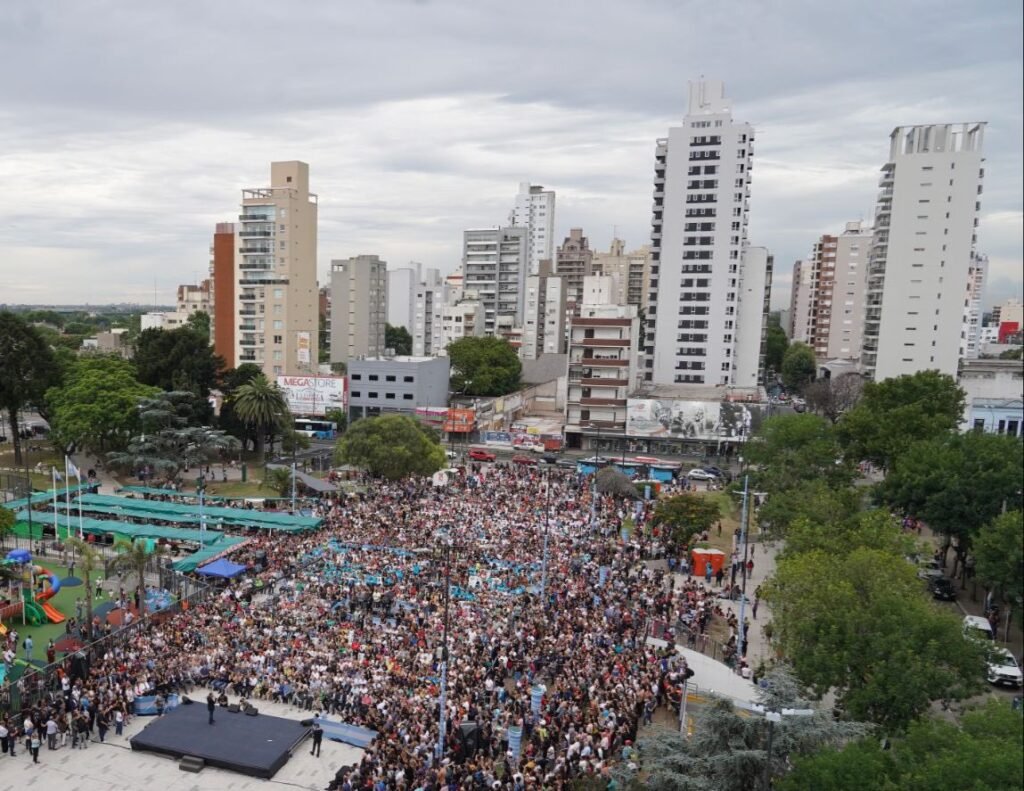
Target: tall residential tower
x,y
535,211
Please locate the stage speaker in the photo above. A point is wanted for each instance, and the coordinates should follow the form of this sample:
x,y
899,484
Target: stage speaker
x,y
469,735
306,723
234,708
251,711
186,700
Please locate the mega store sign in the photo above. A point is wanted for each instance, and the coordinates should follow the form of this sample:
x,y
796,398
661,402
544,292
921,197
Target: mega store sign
x,y
313,395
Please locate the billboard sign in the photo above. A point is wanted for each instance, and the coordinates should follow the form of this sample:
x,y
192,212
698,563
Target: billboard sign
x,y
314,395
714,421
460,421
303,345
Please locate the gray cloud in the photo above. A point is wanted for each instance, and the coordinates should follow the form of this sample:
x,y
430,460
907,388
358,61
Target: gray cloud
x,y
128,129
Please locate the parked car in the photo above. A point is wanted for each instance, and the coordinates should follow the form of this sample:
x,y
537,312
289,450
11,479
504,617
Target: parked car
x,y
479,454
524,460
978,628
717,472
701,475
942,588
1003,669
568,463
929,570
552,458
451,454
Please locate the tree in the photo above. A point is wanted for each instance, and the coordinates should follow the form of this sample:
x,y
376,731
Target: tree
x,y
88,561
983,753
812,500
233,379
858,624
685,516
840,536
292,441
135,556
956,483
1012,354
775,345
615,482
6,524
262,406
339,417
26,371
831,397
792,449
484,366
173,450
98,406
998,550
397,338
799,366
178,359
279,479
199,322
894,413
728,751
391,447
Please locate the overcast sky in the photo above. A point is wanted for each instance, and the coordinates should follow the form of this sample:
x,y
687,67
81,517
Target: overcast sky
x,y
129,127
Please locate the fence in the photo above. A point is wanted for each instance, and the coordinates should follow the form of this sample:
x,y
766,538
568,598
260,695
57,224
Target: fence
x,y
39,685
694,640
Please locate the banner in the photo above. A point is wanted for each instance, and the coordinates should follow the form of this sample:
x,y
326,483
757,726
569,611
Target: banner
x,y
303,345
699,420
460,421
312,396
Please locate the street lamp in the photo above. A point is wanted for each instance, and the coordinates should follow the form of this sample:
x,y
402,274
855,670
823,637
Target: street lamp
x,y
774,716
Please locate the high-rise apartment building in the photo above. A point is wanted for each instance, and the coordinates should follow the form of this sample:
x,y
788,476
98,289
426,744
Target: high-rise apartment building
x,y
828,290
429,300
631,270
970,331
574,261
359,308
535,211
544,314
923,247
276,296
223,321
494,262
403,286
700,251
464,319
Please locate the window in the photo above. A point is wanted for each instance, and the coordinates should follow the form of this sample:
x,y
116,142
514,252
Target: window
x,y
277,339
389,396
389,378
374,377
357,377
356,394
278,293
407,396
278,324
371,395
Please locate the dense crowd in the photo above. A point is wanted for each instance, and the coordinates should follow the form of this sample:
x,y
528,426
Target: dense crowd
x,y
349,622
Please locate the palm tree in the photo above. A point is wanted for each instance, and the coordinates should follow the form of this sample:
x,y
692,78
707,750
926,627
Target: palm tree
x,y
279,479
89,560
261,405
134,557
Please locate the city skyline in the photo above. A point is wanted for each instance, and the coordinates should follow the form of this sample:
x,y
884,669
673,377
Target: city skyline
x,y
407,159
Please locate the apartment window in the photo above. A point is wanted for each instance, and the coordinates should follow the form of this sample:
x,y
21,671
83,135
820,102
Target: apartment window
x,y
278,355
277,310
374,377
356,394
389,378
389,396
277,339
278,324
407,396
278,369
372,395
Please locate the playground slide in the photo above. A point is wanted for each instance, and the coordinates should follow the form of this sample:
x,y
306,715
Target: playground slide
x,y
34,613
54,585
52,613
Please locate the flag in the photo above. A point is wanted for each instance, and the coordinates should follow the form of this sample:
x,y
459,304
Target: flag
x,y
74,471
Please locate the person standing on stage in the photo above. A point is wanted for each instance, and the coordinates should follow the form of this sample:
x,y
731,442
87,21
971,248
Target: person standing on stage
x,y
318,737
211,705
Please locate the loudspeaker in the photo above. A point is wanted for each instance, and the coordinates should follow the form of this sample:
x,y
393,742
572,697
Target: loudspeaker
x,y
469,735
234,708
186,700
306,723
251,711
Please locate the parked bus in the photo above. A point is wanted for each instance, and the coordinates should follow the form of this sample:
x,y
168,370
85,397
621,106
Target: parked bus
x,y
319,429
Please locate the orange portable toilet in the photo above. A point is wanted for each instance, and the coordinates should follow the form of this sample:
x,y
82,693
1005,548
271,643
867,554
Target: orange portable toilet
x,y
701,557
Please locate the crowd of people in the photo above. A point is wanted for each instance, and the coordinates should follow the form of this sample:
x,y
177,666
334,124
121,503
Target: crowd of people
x,y
538,613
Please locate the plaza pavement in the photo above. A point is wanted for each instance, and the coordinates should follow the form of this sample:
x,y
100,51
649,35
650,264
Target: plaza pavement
x,y
114,766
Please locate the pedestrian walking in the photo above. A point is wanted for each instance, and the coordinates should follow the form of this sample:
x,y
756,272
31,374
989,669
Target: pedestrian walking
x,y
34,745
51,734
118,722
5,735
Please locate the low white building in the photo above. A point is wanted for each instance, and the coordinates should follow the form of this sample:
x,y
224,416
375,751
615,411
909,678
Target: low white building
x,y
995,396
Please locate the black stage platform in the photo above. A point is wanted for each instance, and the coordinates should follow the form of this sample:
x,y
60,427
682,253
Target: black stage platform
x,y
256,746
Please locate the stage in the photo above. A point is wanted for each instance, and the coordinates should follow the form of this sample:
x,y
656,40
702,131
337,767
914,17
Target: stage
x,y
257,746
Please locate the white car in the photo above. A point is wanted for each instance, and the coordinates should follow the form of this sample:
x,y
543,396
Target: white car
x,y
1003,669
700,475
929,570
977,628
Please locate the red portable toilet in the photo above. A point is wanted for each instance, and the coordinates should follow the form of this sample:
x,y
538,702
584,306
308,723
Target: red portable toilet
x,y
701,557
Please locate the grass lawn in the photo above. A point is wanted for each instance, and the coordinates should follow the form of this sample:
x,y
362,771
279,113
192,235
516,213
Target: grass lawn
x,y
251,488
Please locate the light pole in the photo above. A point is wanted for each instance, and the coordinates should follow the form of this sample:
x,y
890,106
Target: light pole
x,y
201,491
446,541
774,716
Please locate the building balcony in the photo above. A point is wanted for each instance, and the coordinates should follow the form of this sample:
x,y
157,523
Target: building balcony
x,y
601,363
256,250
247,358
597,381
247,327
256,217
619,402
255,234
621,343
248,298
247,313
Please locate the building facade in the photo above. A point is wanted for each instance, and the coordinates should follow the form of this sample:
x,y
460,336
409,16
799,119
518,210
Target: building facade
x,y
535,211
224,277
464,319
995,396
429,300
970,331
494,263
631,270
544,314
381,385
574,261
698,244
359,305
922,249
276,295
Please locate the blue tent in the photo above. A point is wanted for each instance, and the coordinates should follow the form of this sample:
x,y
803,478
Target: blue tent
x,y
222,568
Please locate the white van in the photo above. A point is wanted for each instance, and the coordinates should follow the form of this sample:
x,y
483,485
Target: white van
x,y
977,627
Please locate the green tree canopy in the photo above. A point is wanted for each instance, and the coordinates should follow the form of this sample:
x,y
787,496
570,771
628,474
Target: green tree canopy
x,y
615,482
98,406
178,359
811,500
792,449
894,413
391,447
228,420
999,556
262,406
956,483
26,371
839,536
397,338
484,366
199,322
859,625
983,753
135,557
775,345
799,366
684,516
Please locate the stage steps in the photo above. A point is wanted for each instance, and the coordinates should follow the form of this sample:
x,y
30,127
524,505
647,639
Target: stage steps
x,y
190,763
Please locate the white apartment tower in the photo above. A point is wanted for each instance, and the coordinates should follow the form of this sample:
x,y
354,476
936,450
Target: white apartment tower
x,y
700,254
535,211
429,300
494,264
923,248
543,314
970,332
359,308
276,300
